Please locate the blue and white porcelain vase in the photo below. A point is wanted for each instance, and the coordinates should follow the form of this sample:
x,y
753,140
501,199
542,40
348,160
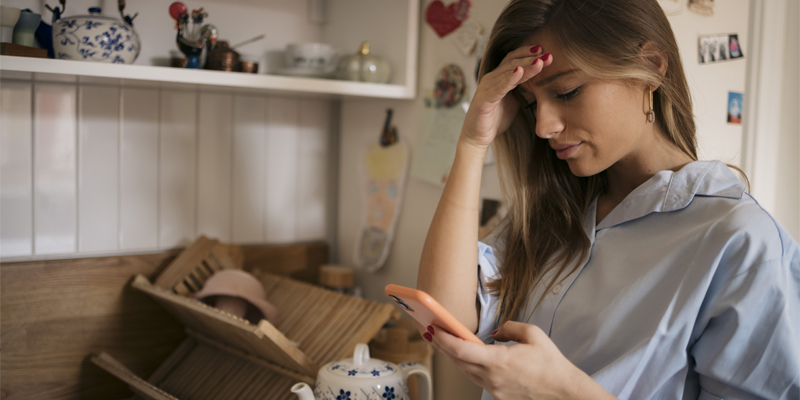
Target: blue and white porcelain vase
x,y
96,38
363,378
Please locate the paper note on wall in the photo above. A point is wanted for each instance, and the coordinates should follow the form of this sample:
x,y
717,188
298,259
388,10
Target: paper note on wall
x,y
436,147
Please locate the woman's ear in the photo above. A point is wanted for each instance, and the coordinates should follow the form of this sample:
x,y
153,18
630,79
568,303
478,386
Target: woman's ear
x,y
653,54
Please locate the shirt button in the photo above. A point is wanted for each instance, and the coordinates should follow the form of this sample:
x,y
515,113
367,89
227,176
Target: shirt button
x,y
556,289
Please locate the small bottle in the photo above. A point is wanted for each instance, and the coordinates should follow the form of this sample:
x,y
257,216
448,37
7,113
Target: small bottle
x,y
337,278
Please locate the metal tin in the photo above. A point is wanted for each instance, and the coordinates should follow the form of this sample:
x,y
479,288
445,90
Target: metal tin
x,y
222,58
248,66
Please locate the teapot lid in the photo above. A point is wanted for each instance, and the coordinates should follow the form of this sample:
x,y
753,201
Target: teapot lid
x,y
361,366
94,14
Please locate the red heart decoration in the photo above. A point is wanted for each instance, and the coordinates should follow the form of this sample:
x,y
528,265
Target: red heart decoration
x,y
442,19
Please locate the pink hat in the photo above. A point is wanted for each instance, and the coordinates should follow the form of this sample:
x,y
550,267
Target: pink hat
x,y
239,284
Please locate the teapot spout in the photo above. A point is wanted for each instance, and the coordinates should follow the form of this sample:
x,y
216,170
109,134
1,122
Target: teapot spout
x,y
303,391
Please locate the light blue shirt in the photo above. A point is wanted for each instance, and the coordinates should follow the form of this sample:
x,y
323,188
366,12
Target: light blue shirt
x,y
691,291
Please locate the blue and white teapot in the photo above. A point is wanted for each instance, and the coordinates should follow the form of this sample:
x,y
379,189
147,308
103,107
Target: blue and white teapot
x,y
363,378
95,37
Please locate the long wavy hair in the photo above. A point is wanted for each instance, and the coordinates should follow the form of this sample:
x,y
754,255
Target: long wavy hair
x,y
547,203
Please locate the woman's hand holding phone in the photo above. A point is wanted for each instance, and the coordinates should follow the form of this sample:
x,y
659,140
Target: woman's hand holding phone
x,y
493,108
531,369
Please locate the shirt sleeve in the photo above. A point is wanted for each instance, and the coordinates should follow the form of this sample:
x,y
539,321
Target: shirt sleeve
x,y
749,347
487,271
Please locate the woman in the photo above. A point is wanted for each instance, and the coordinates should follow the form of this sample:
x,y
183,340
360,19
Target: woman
x,y
625,268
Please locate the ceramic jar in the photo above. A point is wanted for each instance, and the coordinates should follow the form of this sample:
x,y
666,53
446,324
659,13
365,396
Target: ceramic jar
x,y
95,37
25,28
363,378
8,19
364,67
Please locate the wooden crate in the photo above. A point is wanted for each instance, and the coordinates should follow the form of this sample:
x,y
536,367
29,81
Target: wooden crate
x,y
189,272
200,369
316,326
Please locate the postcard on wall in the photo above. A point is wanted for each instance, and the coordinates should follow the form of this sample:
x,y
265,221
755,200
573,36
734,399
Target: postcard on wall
x,y
735,108
714,48
442,118
436,147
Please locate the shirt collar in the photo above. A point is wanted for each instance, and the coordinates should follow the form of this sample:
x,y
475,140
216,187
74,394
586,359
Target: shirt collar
x,y
671,191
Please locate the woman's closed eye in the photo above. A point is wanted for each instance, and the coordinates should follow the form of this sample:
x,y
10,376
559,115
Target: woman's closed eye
x,y
564,97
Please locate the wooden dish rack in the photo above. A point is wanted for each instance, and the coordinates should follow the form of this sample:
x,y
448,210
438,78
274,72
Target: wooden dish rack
x,y
227,357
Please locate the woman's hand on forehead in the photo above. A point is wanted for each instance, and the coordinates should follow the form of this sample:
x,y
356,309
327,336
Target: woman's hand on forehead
x,y
493,109
520,66
527,51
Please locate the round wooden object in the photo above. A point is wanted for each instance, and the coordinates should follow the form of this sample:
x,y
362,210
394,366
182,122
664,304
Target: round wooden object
x,y
336,276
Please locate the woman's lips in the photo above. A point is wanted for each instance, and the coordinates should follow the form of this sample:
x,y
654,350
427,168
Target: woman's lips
x,y
566,151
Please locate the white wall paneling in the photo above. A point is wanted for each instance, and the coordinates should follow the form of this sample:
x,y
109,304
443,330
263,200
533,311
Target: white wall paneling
x,y
89,168
315,117
16,180
139,169
283,149
249,153
177,166
98,168
215,125
54,168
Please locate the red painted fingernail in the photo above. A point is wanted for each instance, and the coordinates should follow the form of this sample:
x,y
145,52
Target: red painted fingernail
x,y
546,57
535,49
534,61
494,331
427,336
516,68
430,330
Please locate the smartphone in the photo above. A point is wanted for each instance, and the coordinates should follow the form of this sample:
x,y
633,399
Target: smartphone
x,y
427,311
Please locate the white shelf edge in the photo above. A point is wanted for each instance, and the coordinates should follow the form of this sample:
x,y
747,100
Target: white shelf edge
x,y
201,78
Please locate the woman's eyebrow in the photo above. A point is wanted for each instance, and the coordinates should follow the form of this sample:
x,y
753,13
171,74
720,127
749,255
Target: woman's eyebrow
x,y
551,78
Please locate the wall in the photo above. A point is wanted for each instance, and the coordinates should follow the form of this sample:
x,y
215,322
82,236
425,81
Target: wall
x,y
787,197
92,169
362,121
710,83
773,124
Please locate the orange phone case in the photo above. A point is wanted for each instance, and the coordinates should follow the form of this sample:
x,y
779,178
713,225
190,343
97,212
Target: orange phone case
x,y
427,311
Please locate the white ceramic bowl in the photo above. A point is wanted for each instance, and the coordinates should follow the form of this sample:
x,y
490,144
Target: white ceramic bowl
x,y
310,55
95,38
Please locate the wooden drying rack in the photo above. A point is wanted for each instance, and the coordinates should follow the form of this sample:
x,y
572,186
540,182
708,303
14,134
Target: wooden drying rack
x,y
228,357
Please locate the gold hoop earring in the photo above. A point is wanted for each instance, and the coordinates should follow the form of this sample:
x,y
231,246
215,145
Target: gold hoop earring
x,y
651,115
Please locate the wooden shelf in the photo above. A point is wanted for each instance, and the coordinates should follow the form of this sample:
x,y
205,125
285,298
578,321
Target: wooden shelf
x,y
49,70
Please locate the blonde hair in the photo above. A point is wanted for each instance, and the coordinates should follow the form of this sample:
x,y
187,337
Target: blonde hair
x,y
620,39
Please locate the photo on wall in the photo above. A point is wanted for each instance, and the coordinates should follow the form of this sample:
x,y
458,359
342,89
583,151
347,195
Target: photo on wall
x,y
714,48
733,46
735,108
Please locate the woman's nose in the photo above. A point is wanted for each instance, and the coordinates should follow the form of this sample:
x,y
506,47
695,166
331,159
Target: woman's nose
x,y
548,121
